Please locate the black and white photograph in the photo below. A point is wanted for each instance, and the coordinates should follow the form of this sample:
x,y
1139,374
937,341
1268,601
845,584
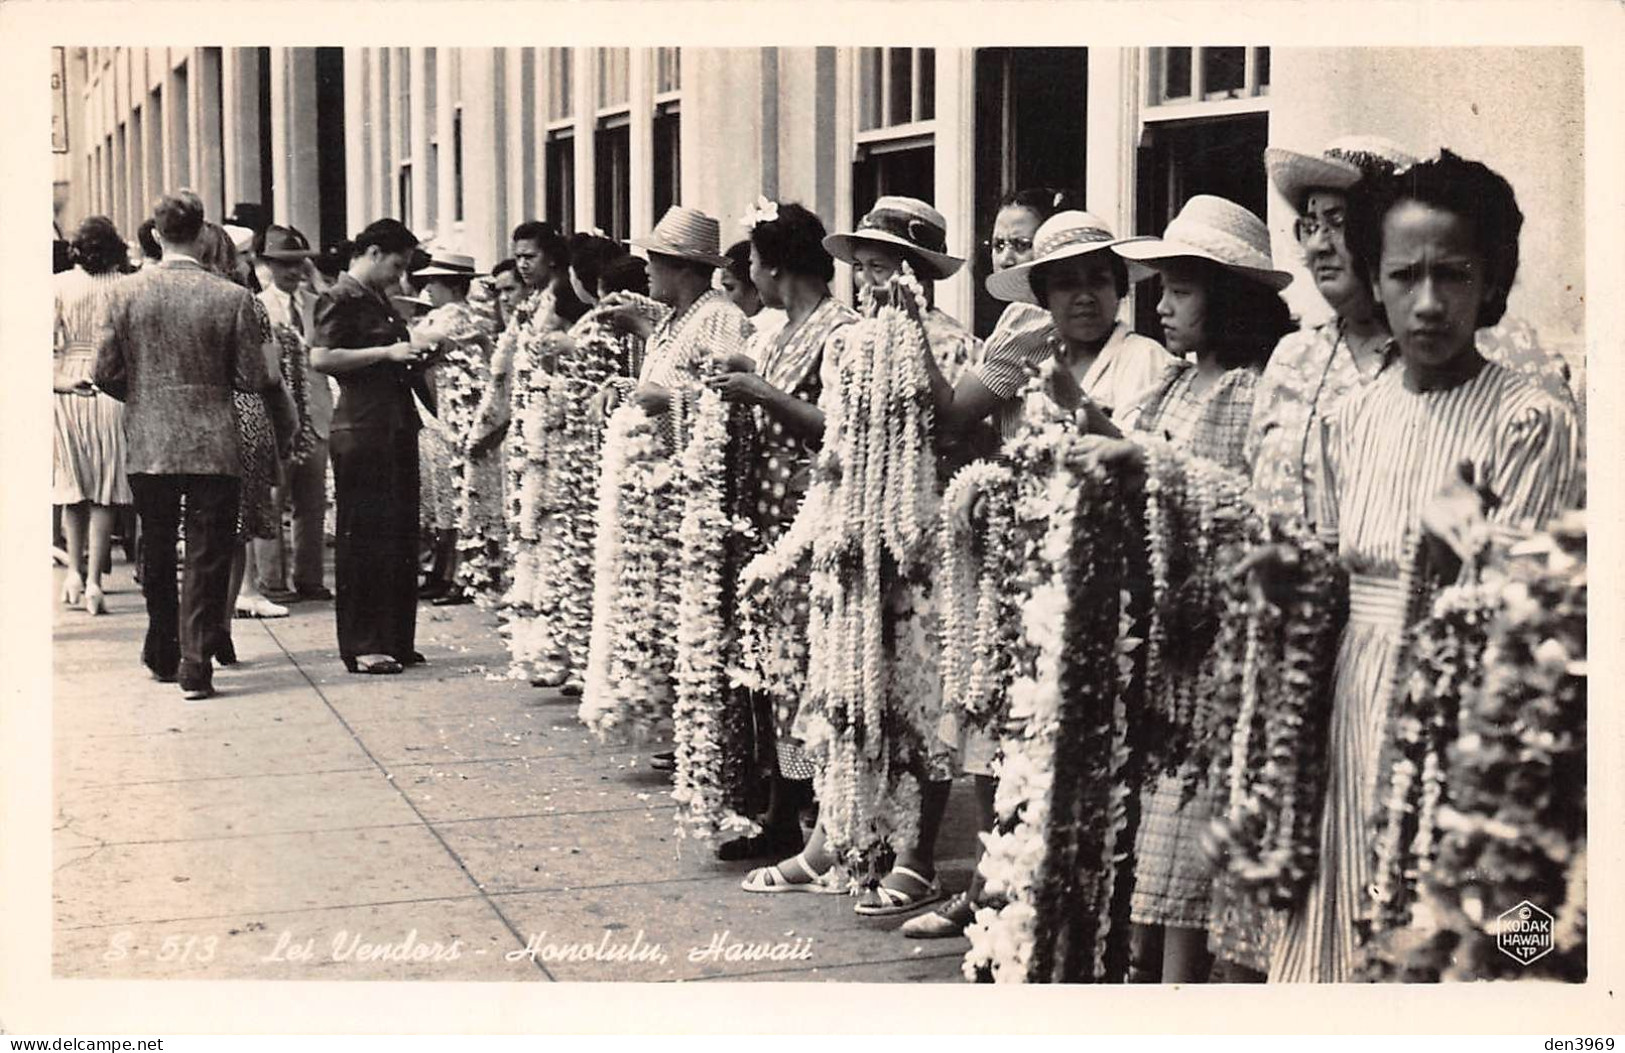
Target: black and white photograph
x,y
1098,509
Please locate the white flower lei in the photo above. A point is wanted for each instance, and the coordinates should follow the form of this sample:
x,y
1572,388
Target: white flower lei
x,y
980,619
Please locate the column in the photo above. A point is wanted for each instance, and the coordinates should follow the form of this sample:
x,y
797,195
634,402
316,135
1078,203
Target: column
x,y
240,118
955,181
419,148
642,98
378,196
1113,127
515,137
482,231
173,161
445,110
356,204
203,120
770,122
295,179
586,98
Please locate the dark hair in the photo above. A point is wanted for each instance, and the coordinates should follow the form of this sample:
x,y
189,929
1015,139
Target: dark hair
x,y
504,267
146,235
216,253
1244,320
795,242
1468,189
554,249
390,235
332,259
178,216
739,262
1039,278
589,255
1041,201
627,274
97,246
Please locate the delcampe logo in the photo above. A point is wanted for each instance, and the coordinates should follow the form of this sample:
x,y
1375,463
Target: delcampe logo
x,y
1524,933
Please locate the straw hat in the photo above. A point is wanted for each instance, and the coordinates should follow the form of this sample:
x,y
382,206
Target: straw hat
x,y
413,301
242,239
444,263
1063,236
688,234
901,222
1343,163
1211,228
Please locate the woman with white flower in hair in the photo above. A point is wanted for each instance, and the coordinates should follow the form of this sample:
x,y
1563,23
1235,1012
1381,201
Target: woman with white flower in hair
x,y
898,250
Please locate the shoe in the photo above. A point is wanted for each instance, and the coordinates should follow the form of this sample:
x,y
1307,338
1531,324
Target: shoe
x,y
259,607
664,761
95,600
950,919
882,902
73,590
769,843
412,658
197,692
455,598
773,879
433,590
320,592
281,595
376,664
226,653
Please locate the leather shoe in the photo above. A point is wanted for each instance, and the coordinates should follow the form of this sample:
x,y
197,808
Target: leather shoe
x,y
372,663
196,690
412,658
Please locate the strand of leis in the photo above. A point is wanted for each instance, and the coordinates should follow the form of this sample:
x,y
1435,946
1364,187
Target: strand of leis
x,y
1002,935
292,358
635,558
1508,833
977,547
461,378
526,405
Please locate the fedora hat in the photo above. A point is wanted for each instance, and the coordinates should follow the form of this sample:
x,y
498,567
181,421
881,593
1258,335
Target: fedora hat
x,y
444,263
901,222
282,243
1062,236
1211,228
1342,164
688,234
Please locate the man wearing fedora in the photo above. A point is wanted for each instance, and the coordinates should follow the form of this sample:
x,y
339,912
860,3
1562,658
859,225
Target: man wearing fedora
x,y
703,326
286,254
173,349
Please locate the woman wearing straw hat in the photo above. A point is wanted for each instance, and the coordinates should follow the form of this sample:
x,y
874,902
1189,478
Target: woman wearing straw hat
x,y
1221,307
702,326
900,238
457,380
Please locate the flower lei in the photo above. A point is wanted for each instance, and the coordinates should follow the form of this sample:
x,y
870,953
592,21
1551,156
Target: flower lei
x,y
293,359
867,523
524,458
980,615
1498,817
1262,728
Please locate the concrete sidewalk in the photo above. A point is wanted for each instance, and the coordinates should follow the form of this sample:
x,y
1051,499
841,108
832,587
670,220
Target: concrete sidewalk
x,y
312,824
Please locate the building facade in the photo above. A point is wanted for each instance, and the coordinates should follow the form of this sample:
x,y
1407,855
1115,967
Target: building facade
x,y
468,142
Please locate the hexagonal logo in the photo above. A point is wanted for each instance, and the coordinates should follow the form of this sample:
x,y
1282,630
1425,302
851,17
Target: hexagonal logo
x,y
1524,933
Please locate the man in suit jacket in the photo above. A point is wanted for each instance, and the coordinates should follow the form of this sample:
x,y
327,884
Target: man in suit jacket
x,y
174,346
286,255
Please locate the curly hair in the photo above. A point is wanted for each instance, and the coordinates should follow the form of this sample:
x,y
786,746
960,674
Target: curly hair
x,y
215,252
795,242
1041,201
1451,183
97,246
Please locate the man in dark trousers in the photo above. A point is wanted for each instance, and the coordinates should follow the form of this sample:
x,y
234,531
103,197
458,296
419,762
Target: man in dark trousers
x,y
174,346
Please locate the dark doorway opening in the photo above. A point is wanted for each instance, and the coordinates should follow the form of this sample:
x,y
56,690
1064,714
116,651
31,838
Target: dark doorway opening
x,y
330,174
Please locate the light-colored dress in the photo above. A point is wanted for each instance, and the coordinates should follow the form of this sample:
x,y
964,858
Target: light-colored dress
x,y
1389,452
1173,879
87,453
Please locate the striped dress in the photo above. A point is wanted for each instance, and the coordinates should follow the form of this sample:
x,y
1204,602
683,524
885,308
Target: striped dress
x,y
1389,451
87,462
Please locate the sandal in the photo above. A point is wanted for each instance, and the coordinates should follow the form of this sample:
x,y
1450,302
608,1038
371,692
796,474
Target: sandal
x,y
950,919
881,902
773,879
372,663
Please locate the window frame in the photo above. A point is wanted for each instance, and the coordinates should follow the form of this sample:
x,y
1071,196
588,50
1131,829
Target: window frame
x,y
1253,98
914,128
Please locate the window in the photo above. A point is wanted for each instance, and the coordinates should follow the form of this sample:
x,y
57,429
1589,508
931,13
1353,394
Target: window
x,y
560,84
457,163
403,187
431,163
561,178
896,87
180,146
614,77
612,190
1183,76
668,71
668,152
138,170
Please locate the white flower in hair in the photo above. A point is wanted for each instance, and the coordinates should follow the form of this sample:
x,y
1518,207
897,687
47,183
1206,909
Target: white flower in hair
x,y
764,211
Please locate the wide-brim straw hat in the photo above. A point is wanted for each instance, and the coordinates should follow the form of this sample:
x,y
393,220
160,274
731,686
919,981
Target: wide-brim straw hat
x,y
446,264
1211,228
1342,164
688,234
1063,236
901,223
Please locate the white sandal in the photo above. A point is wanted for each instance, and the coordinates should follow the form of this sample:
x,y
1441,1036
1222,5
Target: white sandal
x,y
773,880
896,901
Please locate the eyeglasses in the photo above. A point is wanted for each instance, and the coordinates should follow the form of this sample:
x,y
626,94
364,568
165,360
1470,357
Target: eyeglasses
x,y
1307,227
1015,244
